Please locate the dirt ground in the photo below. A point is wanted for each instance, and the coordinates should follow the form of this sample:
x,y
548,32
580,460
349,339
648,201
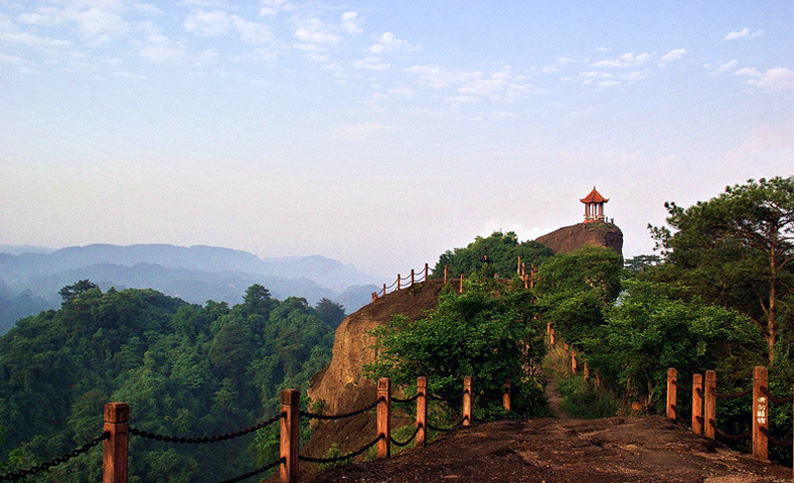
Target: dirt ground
x,y
642,449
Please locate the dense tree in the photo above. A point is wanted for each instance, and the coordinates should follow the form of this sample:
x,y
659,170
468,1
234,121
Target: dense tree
x,y
75,290
502,250
330,312
184,369
736,250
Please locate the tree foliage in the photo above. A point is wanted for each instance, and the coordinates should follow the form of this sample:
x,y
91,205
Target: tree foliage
x,y
736,250
184,370
502,250
472,334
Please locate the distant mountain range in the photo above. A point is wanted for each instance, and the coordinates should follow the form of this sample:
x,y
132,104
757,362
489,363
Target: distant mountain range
x,y
195,274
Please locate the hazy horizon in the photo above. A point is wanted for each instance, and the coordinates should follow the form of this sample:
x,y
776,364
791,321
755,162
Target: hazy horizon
x,y
379,134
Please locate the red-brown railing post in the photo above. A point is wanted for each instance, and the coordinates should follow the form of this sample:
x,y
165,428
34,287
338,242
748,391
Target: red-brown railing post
x,y
467,401
384,417
551,337
532,272
710,405
461,283
526,281
518,268
760,413
115,449
290,435
398,282
446,273
427,272
506,395
672,393
586,371
574,362
412,277
697,403
374,296
421,411
384,289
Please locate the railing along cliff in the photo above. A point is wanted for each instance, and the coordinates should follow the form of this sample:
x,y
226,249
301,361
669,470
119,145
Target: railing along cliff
x,y
117,430
423,275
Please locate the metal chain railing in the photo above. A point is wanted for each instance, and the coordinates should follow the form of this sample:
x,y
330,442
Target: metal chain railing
x,y
778,400
55,462
406,442
255,472
331,417
336,459
404,401
734,395
205,439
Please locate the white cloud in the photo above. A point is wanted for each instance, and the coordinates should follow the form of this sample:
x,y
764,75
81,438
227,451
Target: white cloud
x,y
743,34
211,24
93,22
778,79
625,60
748,71
24,38
436,77
252,32
272,7
675,54
371,63
312,30
728,65
351,23
387,42
147,8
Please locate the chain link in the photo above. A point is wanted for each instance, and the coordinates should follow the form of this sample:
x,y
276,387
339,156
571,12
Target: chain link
x,y
332,417
255,472
336,459
405,443
55,462
205,439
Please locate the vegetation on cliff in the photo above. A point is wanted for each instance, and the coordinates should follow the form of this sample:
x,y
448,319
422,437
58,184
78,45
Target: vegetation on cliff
x,y
185,370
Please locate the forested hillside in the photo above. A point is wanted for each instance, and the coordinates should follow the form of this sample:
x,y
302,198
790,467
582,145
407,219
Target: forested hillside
x,y
184,369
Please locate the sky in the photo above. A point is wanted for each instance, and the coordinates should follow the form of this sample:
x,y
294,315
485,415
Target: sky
x,y
380,133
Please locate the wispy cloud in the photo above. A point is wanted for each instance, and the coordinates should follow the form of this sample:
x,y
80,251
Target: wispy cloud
x,y
387,42
728,65
777,79
672,55
742,34
626,60
351,23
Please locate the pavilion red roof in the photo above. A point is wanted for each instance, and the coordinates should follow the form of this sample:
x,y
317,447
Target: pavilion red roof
x,y
594,197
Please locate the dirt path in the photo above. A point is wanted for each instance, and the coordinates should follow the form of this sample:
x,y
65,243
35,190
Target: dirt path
x,y
648,449
554,399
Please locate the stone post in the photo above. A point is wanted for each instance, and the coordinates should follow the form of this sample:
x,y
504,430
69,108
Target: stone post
x,y
672,393
760,413
697,403
467,401
290,435
710,405
384,417
421,411
115,449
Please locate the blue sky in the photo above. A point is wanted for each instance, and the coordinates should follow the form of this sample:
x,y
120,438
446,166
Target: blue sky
x,y
379,133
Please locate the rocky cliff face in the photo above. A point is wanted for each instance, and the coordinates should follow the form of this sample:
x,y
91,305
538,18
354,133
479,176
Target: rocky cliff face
x,y
570,238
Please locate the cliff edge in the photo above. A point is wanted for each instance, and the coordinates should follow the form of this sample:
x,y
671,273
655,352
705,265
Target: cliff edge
x,y
570,238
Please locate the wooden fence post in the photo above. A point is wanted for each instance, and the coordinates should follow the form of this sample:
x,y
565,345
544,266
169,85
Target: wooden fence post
x,y
518,268
467,401
446,274
532,272
384,289
586,371
697,403
290,435
427,273
398,282
710,405
672,393
574,362
412,277
421,411
551,337
374,296
461,283
506,395
115,449
760,413
384,417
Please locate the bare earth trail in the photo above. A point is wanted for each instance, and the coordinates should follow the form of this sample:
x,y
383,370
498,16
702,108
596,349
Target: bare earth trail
x,y
641,449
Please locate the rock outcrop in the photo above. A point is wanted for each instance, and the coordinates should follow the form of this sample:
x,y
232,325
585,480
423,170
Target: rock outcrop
x,y
570,238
